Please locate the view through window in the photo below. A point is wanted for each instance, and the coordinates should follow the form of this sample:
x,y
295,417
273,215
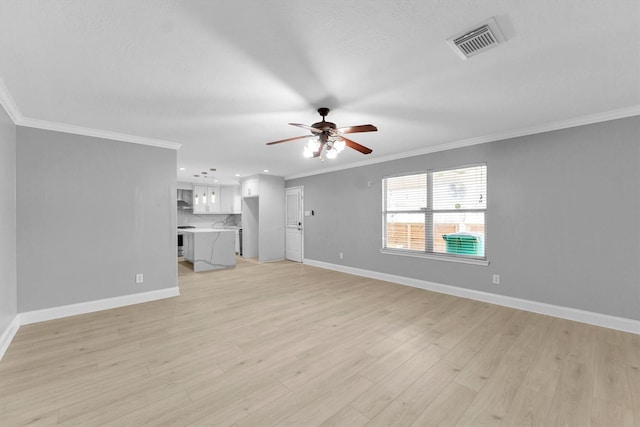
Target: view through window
x,y
436,212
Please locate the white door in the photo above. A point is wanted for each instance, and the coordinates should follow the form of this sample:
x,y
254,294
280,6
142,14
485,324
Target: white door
x,y
293,224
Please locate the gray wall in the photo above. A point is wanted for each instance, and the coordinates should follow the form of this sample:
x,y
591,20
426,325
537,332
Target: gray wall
x,y
91,213
563,221
8,284
271,218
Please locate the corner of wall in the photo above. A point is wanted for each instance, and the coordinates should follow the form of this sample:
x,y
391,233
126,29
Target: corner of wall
x,y
7,336
9,323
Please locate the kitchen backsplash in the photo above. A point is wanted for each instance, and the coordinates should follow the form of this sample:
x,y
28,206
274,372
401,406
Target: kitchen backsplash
x,y
186,217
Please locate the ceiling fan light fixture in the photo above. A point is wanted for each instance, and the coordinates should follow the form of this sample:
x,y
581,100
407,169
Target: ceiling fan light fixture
x,y
313,144
339,145
312,147
332,153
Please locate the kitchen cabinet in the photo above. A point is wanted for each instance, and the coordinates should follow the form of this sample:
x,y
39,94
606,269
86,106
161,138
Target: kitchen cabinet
x,y
230,200
187,246
263,217
250,187
216,200
210,248
206,200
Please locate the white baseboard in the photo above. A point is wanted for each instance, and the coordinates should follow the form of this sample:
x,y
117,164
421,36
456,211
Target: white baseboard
x,y
597,319
7,335
43,315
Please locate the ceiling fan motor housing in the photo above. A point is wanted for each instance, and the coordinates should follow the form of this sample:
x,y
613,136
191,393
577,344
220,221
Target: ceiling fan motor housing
x,y
324,126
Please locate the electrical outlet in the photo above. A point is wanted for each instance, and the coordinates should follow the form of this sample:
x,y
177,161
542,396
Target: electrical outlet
x,y
139,278
496,279
341,255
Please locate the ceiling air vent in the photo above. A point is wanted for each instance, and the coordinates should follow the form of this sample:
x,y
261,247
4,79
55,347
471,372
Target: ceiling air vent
x,y
472,42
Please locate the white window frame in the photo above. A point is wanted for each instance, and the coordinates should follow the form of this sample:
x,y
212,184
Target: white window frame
x,y
428,222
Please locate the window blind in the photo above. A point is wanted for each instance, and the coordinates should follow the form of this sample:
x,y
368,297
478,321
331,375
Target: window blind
x,y
437,212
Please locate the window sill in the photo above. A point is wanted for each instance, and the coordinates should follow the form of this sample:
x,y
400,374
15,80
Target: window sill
x,y
460,260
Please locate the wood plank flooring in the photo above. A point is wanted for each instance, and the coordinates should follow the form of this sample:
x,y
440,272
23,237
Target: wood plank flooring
x,y
284,344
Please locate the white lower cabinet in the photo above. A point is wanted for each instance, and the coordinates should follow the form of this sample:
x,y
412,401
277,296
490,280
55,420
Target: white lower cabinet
x,y
187,246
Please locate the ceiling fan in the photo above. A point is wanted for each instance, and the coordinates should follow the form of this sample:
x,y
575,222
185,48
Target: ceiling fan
x,y
325,135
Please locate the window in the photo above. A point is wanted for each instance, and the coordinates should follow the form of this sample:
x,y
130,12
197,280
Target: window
x,y
439,212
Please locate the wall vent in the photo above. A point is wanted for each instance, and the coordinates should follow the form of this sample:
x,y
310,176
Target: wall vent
x,y
472,42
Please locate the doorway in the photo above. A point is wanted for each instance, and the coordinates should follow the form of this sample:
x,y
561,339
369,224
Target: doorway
x,y
250,227
294,227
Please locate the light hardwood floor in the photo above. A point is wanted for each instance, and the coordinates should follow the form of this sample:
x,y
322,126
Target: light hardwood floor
x,y
288,344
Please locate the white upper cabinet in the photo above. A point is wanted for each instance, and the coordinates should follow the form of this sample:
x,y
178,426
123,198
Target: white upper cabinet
x,y
216,200
250,187
230,200
206,200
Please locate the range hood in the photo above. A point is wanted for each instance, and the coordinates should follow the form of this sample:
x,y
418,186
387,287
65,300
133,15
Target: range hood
x,y
185,198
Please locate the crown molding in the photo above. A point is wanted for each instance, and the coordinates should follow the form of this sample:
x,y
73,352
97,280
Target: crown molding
x,y
547,127
6,100
97,133
18,119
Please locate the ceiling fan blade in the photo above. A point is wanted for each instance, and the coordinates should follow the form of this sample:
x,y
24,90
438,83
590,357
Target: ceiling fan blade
x,y
356,146
290,139
360,128
312,129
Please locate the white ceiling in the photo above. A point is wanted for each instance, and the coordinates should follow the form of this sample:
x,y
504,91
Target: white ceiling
x,y
222,78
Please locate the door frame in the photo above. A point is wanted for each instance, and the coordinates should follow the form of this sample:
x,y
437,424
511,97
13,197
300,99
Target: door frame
x,y
301,187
